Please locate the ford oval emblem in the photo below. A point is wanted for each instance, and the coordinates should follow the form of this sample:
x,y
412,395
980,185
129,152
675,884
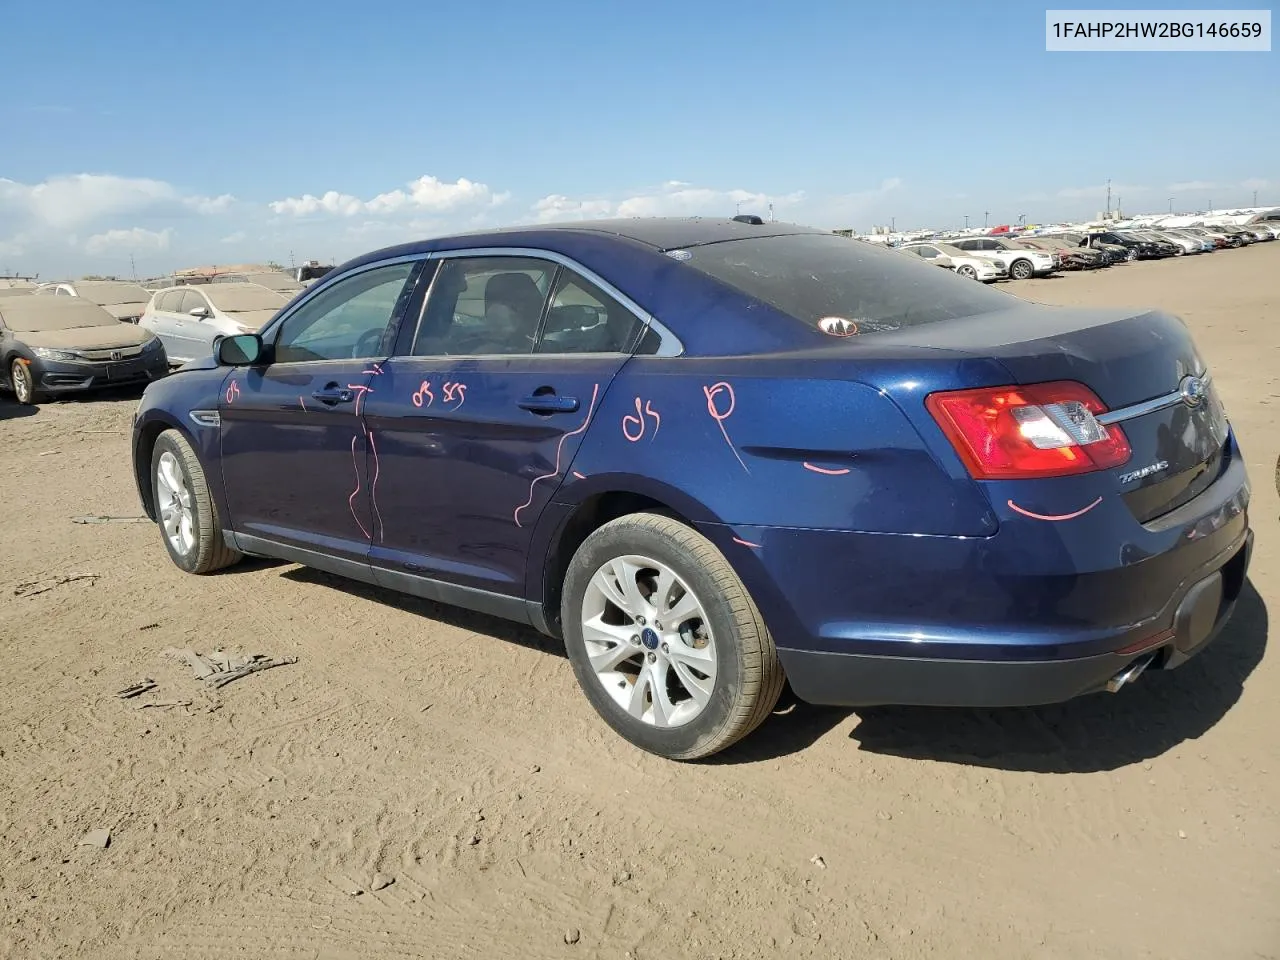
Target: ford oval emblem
x,y
1193,391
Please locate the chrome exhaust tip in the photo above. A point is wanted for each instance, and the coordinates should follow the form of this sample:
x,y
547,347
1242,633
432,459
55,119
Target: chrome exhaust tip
x,y
1129,673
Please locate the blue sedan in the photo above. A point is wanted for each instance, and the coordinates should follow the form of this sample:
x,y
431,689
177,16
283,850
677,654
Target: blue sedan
x,y
715,456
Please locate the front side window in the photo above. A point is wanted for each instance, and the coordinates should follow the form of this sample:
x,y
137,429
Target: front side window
x,y
583,318
346,322
169,302
192,301
484,306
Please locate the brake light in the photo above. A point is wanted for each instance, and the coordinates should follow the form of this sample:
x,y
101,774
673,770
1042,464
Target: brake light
x,y
1041,430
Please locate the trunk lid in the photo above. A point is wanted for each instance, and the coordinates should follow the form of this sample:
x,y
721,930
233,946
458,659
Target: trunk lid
x,y
1136,362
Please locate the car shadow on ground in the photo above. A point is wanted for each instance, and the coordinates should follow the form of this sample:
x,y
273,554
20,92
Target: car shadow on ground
x,y
469,620
1090,734
12,410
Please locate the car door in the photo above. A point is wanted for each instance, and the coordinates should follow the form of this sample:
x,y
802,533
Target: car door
x,y
163,323
473,426
294,441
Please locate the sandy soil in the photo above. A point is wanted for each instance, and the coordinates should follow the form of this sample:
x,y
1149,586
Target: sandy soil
x,y
454,754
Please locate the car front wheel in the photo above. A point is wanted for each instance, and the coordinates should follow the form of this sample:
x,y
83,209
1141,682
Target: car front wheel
x,y
1021,270
664,639
24,385
185,509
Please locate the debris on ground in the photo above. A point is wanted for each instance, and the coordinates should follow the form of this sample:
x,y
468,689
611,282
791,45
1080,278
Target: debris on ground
x,y
381,881
101,519
35,587
572,935
148,626
818,862
164,703
217,669
96,838
142,686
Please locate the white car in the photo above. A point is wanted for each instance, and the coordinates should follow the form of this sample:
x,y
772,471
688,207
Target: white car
x,y
965,264
188,319
124,301
272,280
1021,263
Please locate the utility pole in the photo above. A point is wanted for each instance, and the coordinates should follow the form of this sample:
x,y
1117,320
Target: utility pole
x,y
893,225
133,267
1171,204
985,214
1255,198
1108,198
966,221
737,208
292,264
1022,219
771,217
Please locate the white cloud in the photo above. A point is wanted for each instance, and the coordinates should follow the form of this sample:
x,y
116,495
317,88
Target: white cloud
x,y
1257,183
130,241
1191,186
238,237
673,198
427,193
83,198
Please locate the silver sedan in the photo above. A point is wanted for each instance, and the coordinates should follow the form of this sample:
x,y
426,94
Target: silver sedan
x,y
188,319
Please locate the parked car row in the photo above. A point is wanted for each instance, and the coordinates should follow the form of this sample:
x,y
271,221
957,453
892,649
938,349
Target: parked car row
x,y
1038,253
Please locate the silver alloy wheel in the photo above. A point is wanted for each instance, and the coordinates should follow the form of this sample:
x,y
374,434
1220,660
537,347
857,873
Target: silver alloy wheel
x,y
649,641
967,271
174,503
21,378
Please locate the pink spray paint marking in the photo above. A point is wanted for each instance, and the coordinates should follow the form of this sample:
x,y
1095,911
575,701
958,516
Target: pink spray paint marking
x,y
595,392
376,370
424,392
1053,516
723,389
636,433
747,543
233,391
825,471
351,500
360,390
303,404
452,390
373,486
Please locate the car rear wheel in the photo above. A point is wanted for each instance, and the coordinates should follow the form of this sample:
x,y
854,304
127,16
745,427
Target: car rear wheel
x,y
664,639
24,386
188,517
1021,270
967,271
1131,254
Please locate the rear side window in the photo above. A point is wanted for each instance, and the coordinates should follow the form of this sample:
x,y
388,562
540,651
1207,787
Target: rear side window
x,y
815,276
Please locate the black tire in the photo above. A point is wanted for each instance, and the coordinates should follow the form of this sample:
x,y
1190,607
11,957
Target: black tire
x,y
1021,270
209,552
749,676
24,385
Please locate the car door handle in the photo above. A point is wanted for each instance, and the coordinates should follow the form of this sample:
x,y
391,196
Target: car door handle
x,y
549,403
333,394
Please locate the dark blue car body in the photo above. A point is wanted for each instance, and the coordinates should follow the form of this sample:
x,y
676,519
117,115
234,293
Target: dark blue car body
x,y
884,571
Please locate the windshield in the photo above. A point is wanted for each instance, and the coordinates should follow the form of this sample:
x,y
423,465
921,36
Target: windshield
x,y
815,276
243,299
110,294
32,314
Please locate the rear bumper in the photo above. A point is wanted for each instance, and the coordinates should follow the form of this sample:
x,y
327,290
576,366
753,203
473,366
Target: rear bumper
x,y
1189,622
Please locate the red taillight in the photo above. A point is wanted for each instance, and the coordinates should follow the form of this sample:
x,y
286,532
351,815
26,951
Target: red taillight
x,y
1042,430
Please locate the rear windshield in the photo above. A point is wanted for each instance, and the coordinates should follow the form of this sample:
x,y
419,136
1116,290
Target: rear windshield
x,y
815,276
111,294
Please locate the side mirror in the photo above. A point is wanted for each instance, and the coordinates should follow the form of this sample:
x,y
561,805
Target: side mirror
x,y
200,313
243,350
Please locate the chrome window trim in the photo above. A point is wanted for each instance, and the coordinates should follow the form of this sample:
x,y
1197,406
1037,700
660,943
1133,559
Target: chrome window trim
x,y
669,344
328,280
1149,406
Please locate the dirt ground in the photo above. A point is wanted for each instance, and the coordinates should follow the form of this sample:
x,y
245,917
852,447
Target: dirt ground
x,y
453,754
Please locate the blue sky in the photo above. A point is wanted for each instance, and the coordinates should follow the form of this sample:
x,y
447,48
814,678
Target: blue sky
x,y
184,134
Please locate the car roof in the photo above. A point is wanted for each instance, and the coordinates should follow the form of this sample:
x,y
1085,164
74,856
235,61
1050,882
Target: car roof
x,y
663,233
